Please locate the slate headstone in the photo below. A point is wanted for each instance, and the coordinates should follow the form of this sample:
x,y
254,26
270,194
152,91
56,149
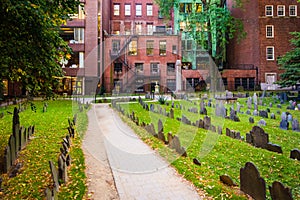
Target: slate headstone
x,y
54,174
295,125
262,122
279,192
251,183
295,154
251,120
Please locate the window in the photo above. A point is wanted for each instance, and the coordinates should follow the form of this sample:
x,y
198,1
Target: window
x,y
139,85
162,48
149,47
198,7
269,31
149,9
127,9
118,68
189,44
138,29
5,87
293,10
81,59
270,53
280,10
154,68
115,46
116,9
79,35
139,68
133,48
269,10
171,68
174,49
270,78
138,9
171,84
149,29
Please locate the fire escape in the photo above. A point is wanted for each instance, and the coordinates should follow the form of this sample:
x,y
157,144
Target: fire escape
x,y
120,56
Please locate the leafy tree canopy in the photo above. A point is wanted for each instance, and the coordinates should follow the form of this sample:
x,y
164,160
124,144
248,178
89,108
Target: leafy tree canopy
x,y
290,63
213,26
30,42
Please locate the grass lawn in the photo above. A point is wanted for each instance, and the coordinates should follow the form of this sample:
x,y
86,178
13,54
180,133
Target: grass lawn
x,y
220,154
50,128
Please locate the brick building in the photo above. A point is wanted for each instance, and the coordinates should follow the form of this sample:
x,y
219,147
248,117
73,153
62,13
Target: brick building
x,y
253,60
141,50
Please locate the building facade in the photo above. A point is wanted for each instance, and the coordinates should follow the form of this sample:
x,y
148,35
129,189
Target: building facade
x,y
253,60
141,49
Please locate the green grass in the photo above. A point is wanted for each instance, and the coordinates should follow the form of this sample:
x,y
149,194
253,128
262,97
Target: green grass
x,y
50,128
220,154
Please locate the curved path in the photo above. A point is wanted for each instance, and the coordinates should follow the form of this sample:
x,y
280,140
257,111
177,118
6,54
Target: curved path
x,y
137,170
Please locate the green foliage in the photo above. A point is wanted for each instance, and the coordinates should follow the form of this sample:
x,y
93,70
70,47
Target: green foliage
x,y
290,62
162,99
30,42
50,128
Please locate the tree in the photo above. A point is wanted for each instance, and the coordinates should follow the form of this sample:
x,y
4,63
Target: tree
x,y
290,63
30,43
212,27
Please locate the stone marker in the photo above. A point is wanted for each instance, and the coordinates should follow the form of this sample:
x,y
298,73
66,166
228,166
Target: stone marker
x,y
272,116
248,112
171,113
227,180
262,122
54,174
251,183
196,162
279,192
295,154
263,113
295,125
251,120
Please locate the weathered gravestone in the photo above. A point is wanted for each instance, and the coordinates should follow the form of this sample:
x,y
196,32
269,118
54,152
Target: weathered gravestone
x,y
54,174
295,154
295,125
272,116
219,130
62,169
203,110
251,183
220,110
248,112
150,129
238,107
233,116
207,122
255,113
262,122
283,122
251,120
227,180
174,143
7,159
249,103
279,192
160,134
171,113
263,113
51,194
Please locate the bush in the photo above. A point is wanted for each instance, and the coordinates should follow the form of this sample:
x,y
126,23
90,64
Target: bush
x,y
162,99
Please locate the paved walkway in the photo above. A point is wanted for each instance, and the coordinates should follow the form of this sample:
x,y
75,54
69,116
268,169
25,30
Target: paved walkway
x,y
139,173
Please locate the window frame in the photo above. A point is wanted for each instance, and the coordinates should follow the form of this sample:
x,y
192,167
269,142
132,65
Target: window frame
x,y
272,31
272,58
162,47
117,7
295,10
279,10
138,10
266,10
150,47
133,48
154,68
127,10
149,11
137,66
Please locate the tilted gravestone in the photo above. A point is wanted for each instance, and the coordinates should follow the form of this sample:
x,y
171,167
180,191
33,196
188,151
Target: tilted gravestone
x,y
295,154
227,180
279,192
7,159
251,183
174,143
54,174
62,169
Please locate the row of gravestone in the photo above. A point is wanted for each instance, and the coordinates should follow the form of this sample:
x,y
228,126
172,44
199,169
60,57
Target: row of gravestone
x,y
60,174
17,141
254,185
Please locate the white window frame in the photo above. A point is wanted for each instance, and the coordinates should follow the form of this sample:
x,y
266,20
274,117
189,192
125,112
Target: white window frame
x,y
150,29
127,9
279,7
266,10
81,59
116,9
149,10
295,10
138,10
267,31
154,67
138,29
272,56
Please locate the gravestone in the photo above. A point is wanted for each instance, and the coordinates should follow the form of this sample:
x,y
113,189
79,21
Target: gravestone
x,y
62,169
295,125
279,106
249,103
150,129
220,110
174,143
262,122
295,154
13,150
274,147
7,159
298,106
207,122
172,105
279,192
259,137
238,107
233,116
255,98
248,112
251,183
255,113
219,130
272,116
289,119
160,126
251,120
171,113
283,122
196,162
54,174
270,105
227,180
